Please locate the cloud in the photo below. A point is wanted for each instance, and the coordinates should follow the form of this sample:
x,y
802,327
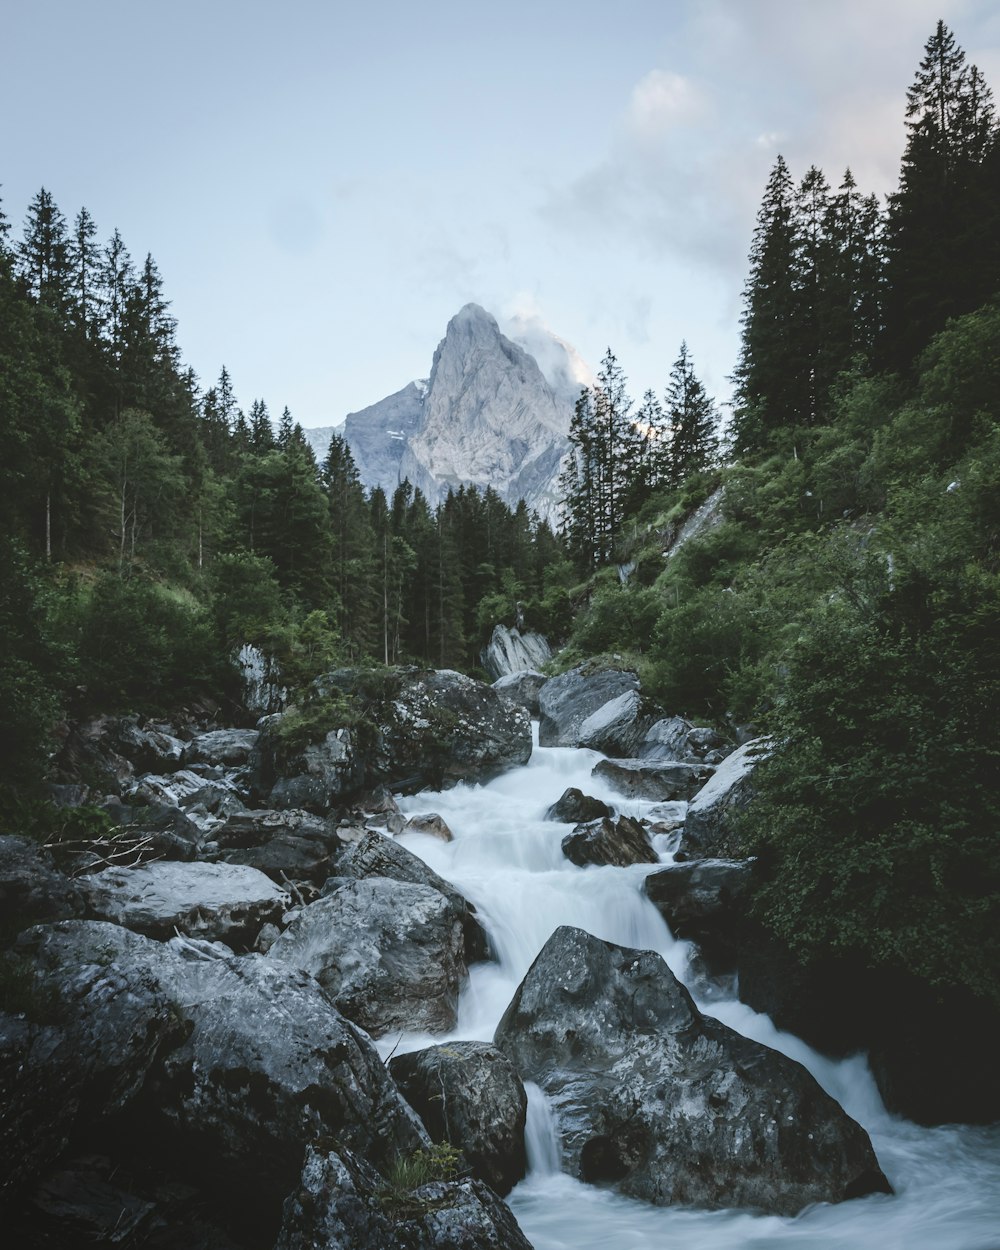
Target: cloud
x,y
661,102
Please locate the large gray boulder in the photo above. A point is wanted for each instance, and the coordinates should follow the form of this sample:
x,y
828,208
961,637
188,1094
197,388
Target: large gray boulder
x,y
221,902
522,688
285,845
77,1041
668,1104
375,855
389,954
617,842
419,727
468,1094
342,1203
599,706
704,902
316,777
658,780
32,890
251,1060
709,826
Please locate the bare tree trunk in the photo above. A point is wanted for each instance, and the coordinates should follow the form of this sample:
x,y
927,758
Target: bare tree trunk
x,y
48,525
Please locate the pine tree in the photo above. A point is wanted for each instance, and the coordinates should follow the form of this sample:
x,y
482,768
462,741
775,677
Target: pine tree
x,y
942,255
44,253
261,431
116,277
692,419
766,377
84,264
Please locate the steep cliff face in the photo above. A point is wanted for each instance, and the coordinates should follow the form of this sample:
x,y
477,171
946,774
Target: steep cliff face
x,y
487,416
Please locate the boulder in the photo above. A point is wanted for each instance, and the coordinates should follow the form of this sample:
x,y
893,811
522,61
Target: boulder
x,y
607,841
673,738
185,789
709,826
704,902
442,727
258,1063
468,1094
225,902
343,1203
522,688
284,845
166,830
229,747
575,806
149,747
389,954
667,1104
90,755
652,779
514,651
430,823
317,777
420,727
607,698
78,1037
375,855
31,888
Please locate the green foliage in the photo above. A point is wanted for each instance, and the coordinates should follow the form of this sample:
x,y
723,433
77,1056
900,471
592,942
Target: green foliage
x,y
876,817
439,1162
139,645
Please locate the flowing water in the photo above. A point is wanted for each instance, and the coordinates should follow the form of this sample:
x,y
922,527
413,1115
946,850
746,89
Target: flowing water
x,y
507,859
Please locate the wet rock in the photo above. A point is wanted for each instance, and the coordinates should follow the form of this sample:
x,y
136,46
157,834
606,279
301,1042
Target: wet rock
x,y
291,845
226,902
709,825
652,779
577,807
389,954
77,1040
149,747
229,747
442,727
569,701
169,832
522,688
32,890
316,777
704,902
667,1104
468,1094
342,1202
605,841
261,1062
375,855
430,823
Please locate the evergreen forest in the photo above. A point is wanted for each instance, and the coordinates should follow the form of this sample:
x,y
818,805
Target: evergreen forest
x,y
844,599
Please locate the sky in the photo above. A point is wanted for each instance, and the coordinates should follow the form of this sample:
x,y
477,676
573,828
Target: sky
x,y
323,184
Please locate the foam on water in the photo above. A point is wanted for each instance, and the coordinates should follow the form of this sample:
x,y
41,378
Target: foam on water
x,y
507,859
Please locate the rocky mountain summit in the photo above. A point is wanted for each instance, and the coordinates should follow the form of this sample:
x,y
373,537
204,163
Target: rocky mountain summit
x,y
486,416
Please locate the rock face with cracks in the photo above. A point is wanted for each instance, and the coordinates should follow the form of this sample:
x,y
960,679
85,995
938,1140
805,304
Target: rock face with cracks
x,y
670,1105
619,842
390,954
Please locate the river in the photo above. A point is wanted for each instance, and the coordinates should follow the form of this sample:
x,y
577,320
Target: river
x,y
507,859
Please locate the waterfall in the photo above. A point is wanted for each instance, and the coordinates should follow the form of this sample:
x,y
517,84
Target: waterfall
x,y
507,860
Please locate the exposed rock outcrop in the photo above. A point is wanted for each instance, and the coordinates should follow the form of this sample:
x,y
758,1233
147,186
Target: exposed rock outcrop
x,y
390,955
522,688
605,697
704,902
514,651
668,1104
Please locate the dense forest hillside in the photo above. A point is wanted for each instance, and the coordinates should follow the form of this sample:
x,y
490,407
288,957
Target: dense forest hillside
x,y
845,600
